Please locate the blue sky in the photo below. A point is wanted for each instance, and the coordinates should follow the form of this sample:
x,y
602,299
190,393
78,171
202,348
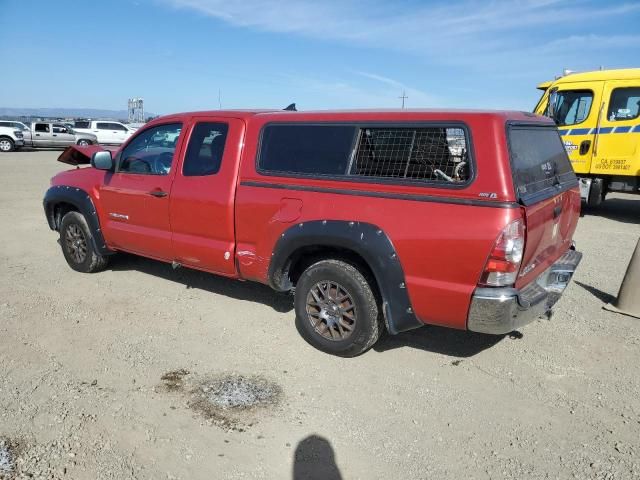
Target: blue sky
x,y
177,54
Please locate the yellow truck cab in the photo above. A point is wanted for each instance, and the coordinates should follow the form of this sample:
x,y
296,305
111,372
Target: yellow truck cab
x,y
598,116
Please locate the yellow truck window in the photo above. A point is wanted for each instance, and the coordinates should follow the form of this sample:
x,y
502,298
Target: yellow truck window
x,y
624,104
572,106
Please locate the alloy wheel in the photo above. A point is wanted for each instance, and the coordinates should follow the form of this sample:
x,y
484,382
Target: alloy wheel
x,y
331,310
76,243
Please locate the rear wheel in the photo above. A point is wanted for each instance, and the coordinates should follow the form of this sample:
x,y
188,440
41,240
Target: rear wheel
x,y
77,244
336,309
6,144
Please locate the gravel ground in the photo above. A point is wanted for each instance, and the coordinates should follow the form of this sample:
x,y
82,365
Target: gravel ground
x,y
98,373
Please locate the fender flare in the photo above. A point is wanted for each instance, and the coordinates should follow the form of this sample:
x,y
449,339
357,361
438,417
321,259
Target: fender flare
x,y
82,201
367,240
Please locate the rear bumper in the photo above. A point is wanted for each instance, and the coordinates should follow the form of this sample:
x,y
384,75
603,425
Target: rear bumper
x,y
502,310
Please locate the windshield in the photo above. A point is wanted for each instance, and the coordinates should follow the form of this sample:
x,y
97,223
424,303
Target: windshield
x,y
569,107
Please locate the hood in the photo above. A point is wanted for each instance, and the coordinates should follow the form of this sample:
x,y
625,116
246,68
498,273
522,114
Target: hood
x,y
77,155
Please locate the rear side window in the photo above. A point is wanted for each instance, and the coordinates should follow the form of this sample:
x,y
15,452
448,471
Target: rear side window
x,y
434,154
206,147
306,149
538,159
42,127
82,124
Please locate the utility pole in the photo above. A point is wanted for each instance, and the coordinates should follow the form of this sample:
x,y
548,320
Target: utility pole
x,y
403,97
219,99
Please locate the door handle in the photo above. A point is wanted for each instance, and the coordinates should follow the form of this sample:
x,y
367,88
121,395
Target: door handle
x,y
158,193
557,211
37,134
55,135
584,147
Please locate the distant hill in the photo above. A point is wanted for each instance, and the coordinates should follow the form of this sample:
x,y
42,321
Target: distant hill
x,y
67,113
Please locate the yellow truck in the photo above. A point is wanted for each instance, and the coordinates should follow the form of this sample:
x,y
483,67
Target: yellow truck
x,y
598,116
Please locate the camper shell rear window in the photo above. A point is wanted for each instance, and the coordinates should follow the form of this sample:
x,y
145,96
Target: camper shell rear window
x,y
539,161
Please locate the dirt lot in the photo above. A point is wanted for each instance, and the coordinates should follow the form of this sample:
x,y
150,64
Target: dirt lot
x,y
114,375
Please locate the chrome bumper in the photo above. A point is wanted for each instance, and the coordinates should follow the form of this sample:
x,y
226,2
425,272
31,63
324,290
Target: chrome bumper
x,y
502,310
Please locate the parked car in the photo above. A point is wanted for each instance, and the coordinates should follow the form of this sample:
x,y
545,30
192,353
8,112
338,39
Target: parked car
x,y
10,139
14,124
107,131
47,134
372,218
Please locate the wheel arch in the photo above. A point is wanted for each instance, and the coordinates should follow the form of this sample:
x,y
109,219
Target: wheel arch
x,y
364,245
60,199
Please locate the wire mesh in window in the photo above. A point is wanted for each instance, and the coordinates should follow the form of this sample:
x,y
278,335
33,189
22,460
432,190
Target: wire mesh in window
x,y
437,154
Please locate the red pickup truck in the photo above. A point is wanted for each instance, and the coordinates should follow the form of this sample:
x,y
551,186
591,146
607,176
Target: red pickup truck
x,y
378,220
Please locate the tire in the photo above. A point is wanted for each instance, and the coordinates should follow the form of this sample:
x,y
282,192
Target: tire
x,y
84,143
324,319
6,145
77,245
596,193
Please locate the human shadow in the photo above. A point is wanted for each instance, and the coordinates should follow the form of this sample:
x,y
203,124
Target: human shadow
x,y
596,292
626,210
445,341
314,460
249,291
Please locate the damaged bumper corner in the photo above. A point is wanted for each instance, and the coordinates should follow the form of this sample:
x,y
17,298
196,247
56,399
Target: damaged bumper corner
x,y
501,310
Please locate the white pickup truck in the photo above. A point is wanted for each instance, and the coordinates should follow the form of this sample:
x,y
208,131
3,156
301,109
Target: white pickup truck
x,y
107,131
11,138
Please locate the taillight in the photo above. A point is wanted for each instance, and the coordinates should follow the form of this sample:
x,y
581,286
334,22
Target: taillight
x,y
503,263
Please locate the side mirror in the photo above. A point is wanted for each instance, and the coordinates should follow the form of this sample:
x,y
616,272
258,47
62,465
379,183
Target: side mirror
x,y
102,160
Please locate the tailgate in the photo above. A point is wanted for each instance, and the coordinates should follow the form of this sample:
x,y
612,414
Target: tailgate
x,y
547,189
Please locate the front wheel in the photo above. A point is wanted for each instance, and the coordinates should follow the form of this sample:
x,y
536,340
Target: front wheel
x,y
77,244
336,309
84,143
6,144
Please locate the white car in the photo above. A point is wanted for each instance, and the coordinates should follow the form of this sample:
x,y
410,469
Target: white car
x,y
10,139
107,131
15,125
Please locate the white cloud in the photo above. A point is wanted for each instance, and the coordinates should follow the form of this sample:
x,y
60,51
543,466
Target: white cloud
x,y
439,29
343,92
517,41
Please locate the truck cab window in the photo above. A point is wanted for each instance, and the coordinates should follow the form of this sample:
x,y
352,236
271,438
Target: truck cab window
x,y
624,104
42,127
206,147
151,152
571,106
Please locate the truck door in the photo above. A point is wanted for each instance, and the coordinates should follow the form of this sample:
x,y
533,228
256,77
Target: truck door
x,y
618,139
104,132
135,198
119,133
576,111
42,135
203,194
61,136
